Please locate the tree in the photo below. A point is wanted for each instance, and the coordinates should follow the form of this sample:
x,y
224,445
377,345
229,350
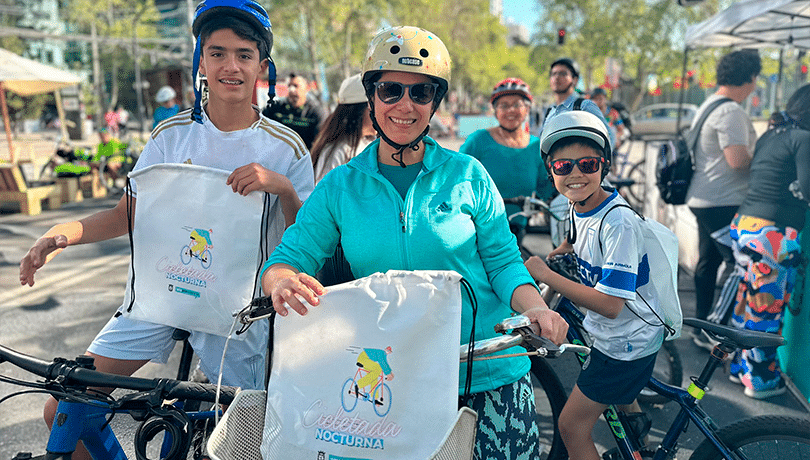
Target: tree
x,y
646,36
111,18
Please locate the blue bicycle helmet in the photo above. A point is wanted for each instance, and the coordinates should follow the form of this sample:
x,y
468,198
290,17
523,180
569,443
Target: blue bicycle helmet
x,y
246,10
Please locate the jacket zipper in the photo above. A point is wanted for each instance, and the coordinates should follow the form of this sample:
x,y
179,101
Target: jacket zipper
x,y
402,220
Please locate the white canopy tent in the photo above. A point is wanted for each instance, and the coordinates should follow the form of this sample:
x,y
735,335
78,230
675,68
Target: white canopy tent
x,y
755,24
26,77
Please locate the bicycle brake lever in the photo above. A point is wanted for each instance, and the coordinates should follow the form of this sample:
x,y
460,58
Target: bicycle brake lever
x,y
532,340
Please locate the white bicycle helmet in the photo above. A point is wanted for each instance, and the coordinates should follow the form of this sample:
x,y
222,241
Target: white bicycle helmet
x,y
165,94
575,123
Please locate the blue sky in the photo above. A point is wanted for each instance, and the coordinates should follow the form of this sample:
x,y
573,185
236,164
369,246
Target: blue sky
x,y
525,12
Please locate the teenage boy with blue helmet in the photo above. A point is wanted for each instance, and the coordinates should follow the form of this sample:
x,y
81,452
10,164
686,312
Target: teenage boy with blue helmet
x,y
623,312
234,40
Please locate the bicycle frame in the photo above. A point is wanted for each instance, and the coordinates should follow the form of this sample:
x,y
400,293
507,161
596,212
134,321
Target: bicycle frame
x,y
88,423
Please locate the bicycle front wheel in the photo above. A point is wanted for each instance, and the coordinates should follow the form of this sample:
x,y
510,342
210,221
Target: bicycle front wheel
x,y
550,397
769,437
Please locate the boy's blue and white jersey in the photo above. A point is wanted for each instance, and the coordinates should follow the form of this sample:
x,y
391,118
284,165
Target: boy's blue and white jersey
x,y
619,269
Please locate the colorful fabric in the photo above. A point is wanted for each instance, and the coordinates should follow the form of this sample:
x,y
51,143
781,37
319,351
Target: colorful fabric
x,y
771,254
506,422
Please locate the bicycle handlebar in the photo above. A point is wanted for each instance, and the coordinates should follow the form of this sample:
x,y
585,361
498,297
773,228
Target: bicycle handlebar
x,y
526,202
521,335
71,373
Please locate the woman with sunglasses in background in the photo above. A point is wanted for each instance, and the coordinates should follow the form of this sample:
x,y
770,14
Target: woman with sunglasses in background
x,y
510,154
765,234
406,203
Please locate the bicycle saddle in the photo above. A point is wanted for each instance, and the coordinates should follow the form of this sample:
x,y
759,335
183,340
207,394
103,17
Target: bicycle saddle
x,y
738,338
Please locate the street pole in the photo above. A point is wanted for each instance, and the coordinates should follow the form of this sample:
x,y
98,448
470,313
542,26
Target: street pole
x,y
97,76
138,83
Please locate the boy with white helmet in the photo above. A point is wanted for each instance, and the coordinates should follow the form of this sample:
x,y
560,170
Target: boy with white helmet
x,y
234,40
615,273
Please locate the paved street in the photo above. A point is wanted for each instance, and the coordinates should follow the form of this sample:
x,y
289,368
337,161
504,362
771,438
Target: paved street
x,y
79,290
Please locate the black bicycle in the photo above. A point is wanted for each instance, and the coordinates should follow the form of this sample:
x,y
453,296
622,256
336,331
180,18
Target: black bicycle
x,y
175,415
768,437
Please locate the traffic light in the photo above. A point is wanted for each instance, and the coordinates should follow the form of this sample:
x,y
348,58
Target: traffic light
x,y
561,36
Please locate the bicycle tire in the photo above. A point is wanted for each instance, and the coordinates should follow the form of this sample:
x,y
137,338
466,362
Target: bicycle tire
x,y
636,192
668,369
550,397
766,436
348,401
382,393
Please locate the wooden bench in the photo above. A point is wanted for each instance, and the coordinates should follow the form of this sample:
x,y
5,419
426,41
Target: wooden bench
x,y
14,188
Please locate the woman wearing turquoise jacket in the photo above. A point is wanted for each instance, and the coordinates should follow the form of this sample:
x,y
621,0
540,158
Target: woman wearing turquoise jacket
x,y
406,203
510,154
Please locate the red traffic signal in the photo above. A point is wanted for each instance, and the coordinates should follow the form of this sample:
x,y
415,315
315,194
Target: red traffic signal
x,y
561,36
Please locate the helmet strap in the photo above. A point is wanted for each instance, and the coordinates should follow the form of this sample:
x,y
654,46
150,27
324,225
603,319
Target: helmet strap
x,y
196,113
271,79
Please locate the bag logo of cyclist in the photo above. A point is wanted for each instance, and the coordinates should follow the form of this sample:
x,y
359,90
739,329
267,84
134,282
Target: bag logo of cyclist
x,y
366,388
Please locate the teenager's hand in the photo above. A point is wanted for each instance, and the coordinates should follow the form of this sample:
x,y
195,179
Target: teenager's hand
x,y
552,325
253,177
37,256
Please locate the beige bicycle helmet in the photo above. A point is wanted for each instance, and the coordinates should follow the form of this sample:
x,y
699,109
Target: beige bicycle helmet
x,y
407,49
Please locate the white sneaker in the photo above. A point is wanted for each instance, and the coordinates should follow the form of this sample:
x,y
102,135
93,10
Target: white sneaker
x,y
703,340
763,394
735,378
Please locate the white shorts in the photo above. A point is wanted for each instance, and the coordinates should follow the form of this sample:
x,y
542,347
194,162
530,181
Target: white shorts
x,y
129,339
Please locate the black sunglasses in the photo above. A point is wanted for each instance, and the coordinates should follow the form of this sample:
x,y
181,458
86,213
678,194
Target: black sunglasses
x,y
420,93
588,165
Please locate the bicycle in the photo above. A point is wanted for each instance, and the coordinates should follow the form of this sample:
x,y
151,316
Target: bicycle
x,y
84,414
379,396
204,256
629,177
530,206
760,437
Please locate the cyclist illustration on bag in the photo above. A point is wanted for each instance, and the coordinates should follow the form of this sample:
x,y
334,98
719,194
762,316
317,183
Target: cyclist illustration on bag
x,y
198,247
368,382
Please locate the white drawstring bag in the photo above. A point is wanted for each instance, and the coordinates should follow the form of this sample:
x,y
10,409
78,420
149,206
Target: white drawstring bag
x,y
196,248
402,324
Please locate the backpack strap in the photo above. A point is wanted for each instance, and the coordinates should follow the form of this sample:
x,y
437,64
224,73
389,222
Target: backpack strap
x,y
694,133
602,221
578,103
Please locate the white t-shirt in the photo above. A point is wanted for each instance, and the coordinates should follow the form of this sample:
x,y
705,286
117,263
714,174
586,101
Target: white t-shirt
x,y
266,142
620,269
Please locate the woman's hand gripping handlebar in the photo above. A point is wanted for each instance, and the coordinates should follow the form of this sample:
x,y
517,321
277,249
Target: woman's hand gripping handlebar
x,y
517,330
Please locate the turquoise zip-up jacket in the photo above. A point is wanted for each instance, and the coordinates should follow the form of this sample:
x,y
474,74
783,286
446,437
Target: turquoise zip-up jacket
x,y
452,218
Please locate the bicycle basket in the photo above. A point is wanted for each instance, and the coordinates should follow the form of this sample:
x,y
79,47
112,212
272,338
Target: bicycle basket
x,y
238,436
